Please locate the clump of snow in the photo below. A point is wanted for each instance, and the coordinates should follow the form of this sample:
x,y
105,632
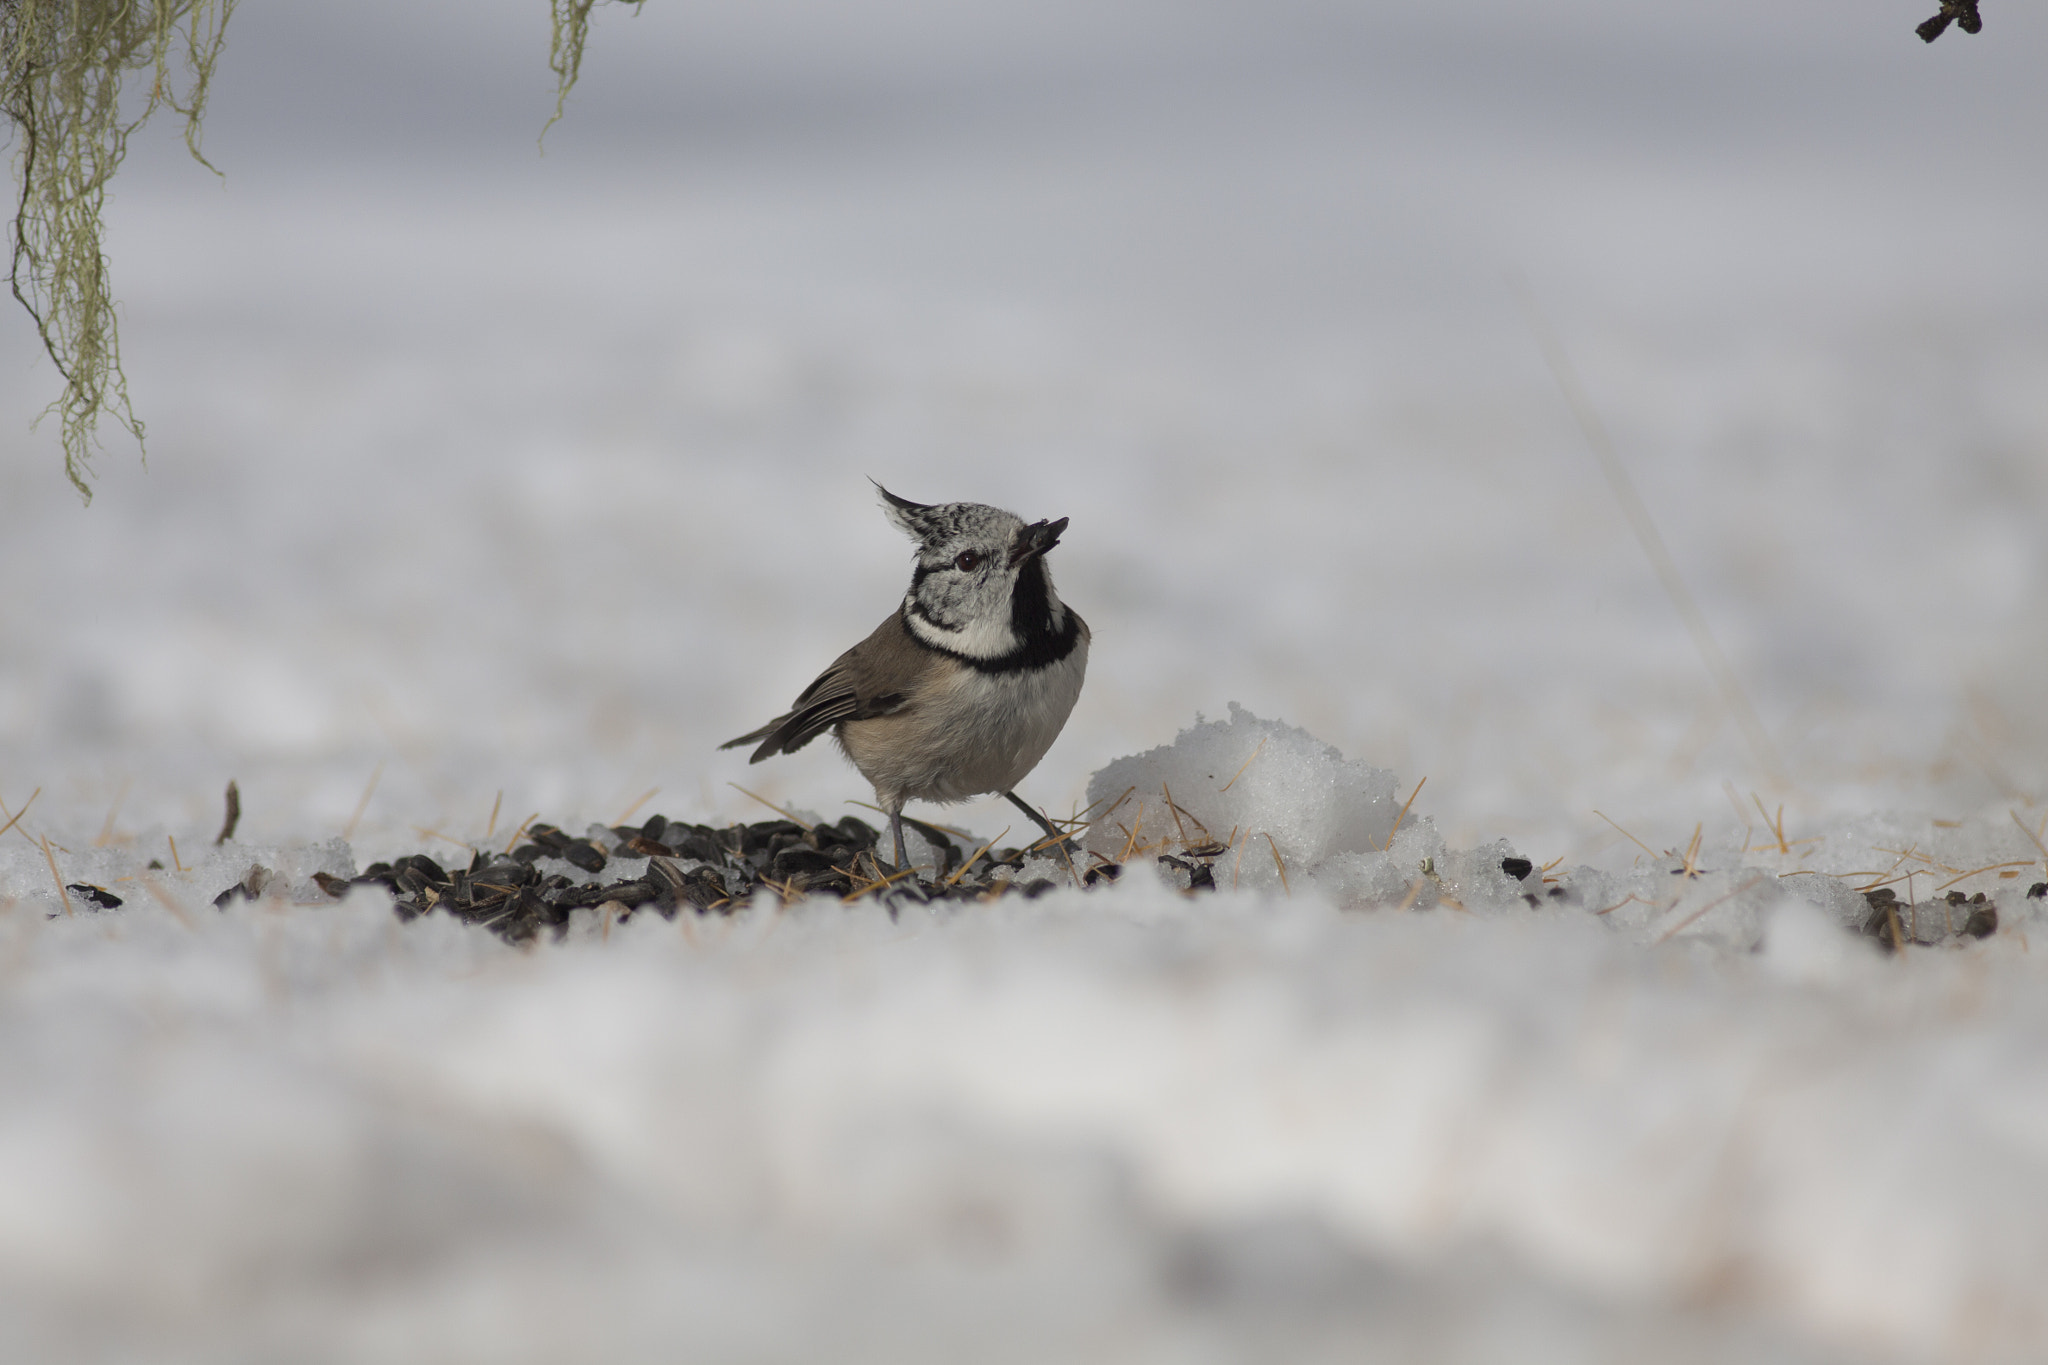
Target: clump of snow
x,y
1293,814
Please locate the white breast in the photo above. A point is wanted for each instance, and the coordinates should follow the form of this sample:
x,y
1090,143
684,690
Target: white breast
x,y
967,733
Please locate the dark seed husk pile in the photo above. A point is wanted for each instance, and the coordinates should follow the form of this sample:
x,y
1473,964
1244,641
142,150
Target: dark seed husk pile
x,y
665,866
1894,923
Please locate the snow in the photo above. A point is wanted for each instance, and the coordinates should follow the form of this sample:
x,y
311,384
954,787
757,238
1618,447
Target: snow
x,y
484,484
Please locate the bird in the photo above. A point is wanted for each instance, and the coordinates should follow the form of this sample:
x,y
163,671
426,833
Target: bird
x,y
964,687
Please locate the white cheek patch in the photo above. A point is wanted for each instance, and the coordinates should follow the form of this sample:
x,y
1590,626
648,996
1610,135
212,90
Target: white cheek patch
x,y
987,638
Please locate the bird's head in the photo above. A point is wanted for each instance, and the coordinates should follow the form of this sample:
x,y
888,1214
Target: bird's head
x,y
981,587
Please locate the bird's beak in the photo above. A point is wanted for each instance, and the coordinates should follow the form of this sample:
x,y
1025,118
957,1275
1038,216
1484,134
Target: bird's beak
x,y
1036,539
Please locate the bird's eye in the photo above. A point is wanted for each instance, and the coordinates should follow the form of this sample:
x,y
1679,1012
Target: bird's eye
x,y
967,562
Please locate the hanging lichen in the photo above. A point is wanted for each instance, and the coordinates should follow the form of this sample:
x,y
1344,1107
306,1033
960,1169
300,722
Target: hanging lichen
x,y
65,62
565,52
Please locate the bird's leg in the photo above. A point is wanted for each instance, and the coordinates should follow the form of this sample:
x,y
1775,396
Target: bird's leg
x,y
896,827
1021,804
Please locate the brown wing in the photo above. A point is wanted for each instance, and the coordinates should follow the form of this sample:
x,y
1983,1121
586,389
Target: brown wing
x,y
874,678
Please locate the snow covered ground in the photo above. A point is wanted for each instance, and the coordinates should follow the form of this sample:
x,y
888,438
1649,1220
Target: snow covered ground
x,y
482,481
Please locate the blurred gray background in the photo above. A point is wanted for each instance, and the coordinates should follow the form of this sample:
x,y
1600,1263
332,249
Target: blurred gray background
x,y
486,470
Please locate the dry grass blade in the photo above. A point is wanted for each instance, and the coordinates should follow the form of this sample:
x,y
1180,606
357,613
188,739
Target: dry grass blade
x,y
513,842
1885,878
1045,841
173,840
1180,813
56,876
1246,764
106,834
1086,813
1692,850
1975,871
877,884
1776,827
975,857
805,824
1638,513
1067,857
169,902
1131,834
1180,830
1110,809
349,831
1728,789
2013,813
785,890
1666,935
1405,808
1278,863
645,797
496,803
1631,838
1916,855
18,814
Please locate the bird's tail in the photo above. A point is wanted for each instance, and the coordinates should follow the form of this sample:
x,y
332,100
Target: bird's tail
x,y
768,732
